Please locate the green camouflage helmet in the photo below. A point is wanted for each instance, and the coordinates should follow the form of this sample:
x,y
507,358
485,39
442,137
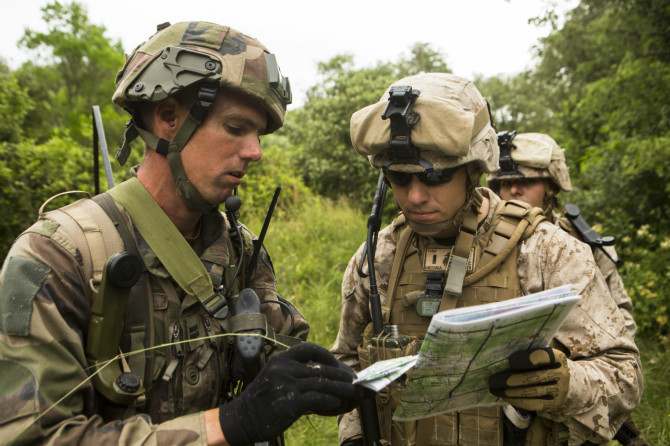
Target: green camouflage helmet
x,y
454,127
185,53
207,56
535,155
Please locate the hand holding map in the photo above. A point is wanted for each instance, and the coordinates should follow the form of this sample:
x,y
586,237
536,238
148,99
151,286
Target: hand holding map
x,y
464,346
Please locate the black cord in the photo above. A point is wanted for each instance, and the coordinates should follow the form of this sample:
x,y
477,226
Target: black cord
x,y
233,203
285,305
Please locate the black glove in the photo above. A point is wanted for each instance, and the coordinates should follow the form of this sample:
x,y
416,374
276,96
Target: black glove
x,y
304,379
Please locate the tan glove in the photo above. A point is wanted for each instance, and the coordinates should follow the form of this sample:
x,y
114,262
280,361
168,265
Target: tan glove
x,y
537,380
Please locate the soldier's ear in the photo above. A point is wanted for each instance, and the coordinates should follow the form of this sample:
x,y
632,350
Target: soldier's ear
x,y
167,119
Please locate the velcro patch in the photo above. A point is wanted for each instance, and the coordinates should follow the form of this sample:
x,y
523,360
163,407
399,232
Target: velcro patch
x,y
44,227
22,280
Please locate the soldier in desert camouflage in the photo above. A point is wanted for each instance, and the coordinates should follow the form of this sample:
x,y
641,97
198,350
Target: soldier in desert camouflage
x,y
536,174
477,249
200,96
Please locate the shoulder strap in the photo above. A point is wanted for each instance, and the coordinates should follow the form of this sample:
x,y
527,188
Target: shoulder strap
x,y
460,254
517,222
86,218
403,236
168,244
106,202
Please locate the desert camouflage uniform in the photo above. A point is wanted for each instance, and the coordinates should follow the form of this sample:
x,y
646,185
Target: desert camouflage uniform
x,y
557,171
609,271
45,299
606,379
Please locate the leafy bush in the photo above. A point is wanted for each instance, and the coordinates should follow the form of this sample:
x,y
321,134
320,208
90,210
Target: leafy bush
x,y
32,173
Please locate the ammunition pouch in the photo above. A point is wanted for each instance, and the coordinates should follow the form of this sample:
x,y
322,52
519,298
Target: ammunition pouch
x,y
375,349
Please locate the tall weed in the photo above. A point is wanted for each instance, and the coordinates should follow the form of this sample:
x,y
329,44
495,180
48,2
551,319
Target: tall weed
x,y
311,244
652,416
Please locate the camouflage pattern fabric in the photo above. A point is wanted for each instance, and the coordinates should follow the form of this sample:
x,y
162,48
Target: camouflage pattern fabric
x,y
45,298
239,63
537,156
606,382
609,271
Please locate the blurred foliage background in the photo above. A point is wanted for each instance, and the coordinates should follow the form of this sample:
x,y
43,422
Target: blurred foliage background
x,y
600,88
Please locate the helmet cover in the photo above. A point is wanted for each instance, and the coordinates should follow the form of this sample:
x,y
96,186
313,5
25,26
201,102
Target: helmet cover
x,y
454,128
536,155
183,54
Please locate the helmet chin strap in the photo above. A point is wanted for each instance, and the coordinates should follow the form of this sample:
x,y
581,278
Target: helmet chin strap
x,y
172,150
549,202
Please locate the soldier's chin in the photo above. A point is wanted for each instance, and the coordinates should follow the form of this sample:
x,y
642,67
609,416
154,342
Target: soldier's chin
x,y
430,229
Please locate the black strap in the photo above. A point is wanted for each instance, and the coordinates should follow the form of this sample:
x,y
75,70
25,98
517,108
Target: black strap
x,y
106,202
138,309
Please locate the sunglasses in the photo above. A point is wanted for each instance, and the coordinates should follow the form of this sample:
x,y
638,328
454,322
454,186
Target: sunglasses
x,y
430,177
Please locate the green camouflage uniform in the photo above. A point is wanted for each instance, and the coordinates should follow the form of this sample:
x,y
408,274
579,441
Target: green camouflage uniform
x,y
606,378
45,303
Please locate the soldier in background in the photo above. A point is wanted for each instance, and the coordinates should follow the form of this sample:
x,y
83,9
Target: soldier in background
x,y
432,137
533,170
200,96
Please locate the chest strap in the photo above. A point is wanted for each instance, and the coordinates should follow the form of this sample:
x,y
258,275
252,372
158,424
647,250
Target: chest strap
x,y
402,245
518,221
169,245
459,257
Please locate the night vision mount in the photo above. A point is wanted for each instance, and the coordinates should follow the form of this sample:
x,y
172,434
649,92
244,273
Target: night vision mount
x,y
399,111
507,164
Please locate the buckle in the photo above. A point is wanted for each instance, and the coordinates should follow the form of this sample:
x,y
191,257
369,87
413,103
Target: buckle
x,y
219,306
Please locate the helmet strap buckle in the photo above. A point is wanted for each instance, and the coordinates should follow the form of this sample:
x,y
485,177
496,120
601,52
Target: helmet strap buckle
x,y
206,97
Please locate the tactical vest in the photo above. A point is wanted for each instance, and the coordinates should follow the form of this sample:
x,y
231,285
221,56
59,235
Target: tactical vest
x,y
193,370
491,276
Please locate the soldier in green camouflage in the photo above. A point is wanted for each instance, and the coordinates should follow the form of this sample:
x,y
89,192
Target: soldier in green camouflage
x,y
537,174
200,96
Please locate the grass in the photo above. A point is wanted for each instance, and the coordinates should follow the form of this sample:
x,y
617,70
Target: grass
x,y
311,246
652,416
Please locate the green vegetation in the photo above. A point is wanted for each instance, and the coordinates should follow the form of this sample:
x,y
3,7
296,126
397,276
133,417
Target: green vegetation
x,y
601,88
653,414
311,244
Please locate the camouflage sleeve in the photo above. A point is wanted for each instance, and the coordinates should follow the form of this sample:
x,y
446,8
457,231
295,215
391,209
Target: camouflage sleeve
x,y
606,378
355,315
46,396
615,284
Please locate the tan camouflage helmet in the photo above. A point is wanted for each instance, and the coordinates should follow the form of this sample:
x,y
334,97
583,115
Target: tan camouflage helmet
x,y
535,155
183,54
454,126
